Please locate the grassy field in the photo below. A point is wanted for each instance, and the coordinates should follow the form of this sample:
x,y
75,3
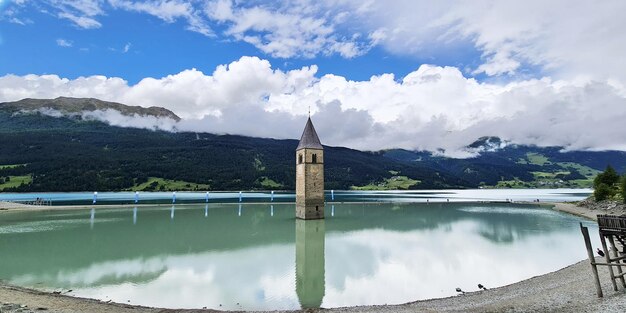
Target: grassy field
x,y
10,166
393,183
536,158
545,180
269,184
585,170
516,183
581,183
161,184
549,179
546,175
258,165
15,181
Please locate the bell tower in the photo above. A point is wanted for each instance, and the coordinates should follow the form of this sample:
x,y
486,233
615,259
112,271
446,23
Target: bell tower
x,y
309,175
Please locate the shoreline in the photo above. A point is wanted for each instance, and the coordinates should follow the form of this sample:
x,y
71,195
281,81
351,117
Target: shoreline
x,y
570,289
573,209
567,290
6,206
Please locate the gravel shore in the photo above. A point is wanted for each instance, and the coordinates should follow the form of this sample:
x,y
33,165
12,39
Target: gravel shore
x,y
590,209
570,289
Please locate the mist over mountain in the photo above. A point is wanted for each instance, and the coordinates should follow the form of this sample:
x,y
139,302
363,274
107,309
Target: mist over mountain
x,y
69,106
68,144
115,114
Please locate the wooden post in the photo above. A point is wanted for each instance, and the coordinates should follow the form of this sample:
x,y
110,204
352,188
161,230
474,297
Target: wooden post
x,y
619,268
607,256
594,268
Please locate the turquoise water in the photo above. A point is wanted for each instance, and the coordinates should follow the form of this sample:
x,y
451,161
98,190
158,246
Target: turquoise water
x,y
258,257
452,195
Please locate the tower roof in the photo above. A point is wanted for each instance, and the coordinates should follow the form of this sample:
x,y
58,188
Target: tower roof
x,y
309,137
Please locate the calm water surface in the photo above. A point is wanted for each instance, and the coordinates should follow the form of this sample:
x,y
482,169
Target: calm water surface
x,y
257,256
452,195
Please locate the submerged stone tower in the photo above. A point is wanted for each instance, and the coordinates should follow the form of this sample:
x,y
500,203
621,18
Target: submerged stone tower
x,y
309,175
310,263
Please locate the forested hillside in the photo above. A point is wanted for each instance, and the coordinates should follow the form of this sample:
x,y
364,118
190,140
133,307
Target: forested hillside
x,y
69,154
39,152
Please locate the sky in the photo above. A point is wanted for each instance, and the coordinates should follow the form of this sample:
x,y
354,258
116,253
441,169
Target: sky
x,y
424,75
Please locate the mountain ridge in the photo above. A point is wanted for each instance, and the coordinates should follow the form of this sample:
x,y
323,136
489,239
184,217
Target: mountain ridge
x,y
39,152
69,106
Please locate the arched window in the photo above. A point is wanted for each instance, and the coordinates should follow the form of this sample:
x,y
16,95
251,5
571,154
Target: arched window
x,y
314,158
300,159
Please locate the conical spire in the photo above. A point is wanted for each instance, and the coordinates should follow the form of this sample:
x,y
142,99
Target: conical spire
x,y
309,137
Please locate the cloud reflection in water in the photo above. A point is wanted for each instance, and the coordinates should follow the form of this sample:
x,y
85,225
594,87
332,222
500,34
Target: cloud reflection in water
x,y
383,254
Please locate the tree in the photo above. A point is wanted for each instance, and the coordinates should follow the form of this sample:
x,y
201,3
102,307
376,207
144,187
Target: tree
x,y
605,184
609,177
602,192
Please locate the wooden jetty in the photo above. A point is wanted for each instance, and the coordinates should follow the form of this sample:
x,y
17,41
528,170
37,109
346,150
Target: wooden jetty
x,y
611,228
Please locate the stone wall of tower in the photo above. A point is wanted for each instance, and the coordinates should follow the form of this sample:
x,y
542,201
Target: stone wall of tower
x,y
310,183
310,262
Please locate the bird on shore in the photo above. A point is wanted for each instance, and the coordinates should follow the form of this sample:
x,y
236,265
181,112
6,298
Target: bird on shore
x,y
600,252
459,290
480,286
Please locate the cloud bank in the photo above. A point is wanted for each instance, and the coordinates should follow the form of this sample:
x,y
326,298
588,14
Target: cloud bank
x,y
561,37
511,38
112,117
431,108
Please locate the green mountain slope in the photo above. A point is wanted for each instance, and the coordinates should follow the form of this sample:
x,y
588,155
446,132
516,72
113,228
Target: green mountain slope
x,y
518,166
39,152
68,106
70,154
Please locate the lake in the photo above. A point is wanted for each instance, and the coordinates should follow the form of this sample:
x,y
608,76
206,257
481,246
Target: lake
x,y
256,256
452,195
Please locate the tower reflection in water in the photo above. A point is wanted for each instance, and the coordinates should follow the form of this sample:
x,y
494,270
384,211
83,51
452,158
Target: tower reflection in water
x,y
310,278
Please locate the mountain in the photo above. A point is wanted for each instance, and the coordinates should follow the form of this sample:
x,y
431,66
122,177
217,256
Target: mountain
x,y
71,106
40,151
502,164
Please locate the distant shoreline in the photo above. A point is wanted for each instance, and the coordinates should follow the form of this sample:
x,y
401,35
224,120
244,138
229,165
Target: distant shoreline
x,y
567,290
6,206
574,209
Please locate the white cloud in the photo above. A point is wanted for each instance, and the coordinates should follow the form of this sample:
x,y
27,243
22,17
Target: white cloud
x,y
430,108
127,47
85,7
168,11
115,118
19,21
284,32
14,87
564,37
10,13
81,21
82,13
64,43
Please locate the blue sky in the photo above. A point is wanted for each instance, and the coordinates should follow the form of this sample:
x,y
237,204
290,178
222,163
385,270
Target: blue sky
x,y
415,74
47,44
